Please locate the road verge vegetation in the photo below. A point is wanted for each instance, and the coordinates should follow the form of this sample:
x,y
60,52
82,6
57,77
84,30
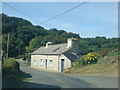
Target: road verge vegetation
x,y
90,58
12,76
107,65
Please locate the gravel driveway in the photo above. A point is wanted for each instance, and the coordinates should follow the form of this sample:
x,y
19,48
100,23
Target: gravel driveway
x,y
44,79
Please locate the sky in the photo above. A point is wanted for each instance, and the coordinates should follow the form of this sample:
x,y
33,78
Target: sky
x,y
88,20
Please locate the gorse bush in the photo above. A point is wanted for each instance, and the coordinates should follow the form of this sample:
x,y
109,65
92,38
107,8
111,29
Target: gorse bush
x,y
10,65
90,58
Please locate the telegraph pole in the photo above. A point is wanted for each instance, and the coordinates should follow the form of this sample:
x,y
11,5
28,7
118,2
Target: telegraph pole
x,y
8,46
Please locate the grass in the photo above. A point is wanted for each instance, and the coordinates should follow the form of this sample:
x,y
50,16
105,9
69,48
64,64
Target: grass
x,y
97,69
10,65
29,63
113,54
106,66
12,76
13,80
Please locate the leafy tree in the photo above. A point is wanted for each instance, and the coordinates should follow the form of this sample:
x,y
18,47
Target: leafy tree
x,y
35,43
27,37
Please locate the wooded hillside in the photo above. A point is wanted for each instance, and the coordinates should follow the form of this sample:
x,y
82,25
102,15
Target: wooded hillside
x,y
26,37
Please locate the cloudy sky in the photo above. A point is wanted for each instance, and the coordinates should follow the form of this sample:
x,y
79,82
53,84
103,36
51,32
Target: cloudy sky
x,y
89,20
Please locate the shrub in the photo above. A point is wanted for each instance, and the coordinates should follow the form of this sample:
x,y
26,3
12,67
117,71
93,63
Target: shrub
x,y
10,65
76,63
90,58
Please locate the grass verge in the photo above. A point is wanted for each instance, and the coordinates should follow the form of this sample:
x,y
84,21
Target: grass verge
x,y
12,77
97,69
107,66
13,80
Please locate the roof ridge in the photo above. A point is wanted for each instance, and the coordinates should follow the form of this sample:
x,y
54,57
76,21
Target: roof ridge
x,y
54,44
52,49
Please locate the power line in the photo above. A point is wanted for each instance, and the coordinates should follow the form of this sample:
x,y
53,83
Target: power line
x,y
24,13
40,22
64,12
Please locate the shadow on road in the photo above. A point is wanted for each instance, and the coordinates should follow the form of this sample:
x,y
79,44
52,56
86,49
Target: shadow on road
x,y
27,75
11,82
34,79
36,85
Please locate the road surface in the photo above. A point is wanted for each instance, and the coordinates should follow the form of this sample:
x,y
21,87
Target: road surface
x,y
44,79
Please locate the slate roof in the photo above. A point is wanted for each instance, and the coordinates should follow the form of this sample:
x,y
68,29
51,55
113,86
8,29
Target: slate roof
x,y
71,56
52,49
56,49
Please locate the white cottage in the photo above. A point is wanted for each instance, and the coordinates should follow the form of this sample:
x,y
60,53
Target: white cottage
x,y
55,57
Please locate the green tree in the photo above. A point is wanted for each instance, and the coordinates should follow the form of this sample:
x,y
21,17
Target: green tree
x,y
35,43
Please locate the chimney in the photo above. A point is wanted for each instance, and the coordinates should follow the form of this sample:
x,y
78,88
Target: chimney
x,y
47,44
71,42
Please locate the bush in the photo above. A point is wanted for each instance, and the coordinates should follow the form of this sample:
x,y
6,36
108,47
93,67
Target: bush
x,y
10,65
76,63
90,58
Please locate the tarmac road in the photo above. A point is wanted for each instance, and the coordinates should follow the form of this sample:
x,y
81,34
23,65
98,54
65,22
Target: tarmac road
x,y
45,79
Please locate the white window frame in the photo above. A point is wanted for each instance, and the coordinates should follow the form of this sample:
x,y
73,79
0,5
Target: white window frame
x,y
35,62
50,63
41,62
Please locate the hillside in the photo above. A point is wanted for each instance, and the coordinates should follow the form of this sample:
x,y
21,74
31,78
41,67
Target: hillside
x,y
26,37
106,66
23,33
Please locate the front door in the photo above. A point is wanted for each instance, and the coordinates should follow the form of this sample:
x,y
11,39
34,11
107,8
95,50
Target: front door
x,y
62,65
45,63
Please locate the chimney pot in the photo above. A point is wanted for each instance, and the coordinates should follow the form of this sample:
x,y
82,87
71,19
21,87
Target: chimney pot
x,y
47,44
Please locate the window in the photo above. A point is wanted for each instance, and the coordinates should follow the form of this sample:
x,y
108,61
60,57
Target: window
x,y
35,63
50,62
41,62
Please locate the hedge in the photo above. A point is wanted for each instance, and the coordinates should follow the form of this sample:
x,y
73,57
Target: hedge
x,y
10,65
